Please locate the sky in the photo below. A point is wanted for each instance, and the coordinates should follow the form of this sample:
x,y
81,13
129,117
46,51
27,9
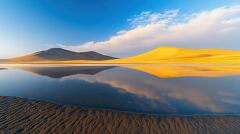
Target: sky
x,y
119,28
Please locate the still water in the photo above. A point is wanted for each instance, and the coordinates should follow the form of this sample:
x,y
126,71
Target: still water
x,y
153,89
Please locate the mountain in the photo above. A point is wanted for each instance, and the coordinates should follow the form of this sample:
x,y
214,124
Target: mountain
x,y
59,54
173,55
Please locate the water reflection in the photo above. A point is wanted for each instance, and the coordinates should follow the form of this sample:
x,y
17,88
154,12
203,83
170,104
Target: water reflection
x,y
139,88
203,93
188,71
59,72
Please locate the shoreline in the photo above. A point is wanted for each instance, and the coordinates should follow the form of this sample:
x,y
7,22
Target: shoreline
x,y
2,65
120,63
85,107
34,116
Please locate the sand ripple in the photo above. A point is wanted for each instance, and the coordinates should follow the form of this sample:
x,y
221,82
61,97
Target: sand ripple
x,y
27,116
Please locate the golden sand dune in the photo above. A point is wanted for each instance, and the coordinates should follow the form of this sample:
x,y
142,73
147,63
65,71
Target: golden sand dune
x,y
184,56
188,71
28,116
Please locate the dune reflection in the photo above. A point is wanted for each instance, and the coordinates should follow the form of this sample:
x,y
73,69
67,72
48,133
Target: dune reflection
x,y
187,71
191,94
196,88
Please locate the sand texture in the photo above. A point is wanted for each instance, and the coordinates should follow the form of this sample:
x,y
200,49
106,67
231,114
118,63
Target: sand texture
x,y
27,116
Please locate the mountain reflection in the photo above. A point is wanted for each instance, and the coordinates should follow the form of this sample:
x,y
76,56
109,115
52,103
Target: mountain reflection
x,y
155,70
204,93
59,72
176,89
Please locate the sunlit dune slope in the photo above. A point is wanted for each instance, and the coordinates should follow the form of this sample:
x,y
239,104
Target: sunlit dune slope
x,y
187,71
184,55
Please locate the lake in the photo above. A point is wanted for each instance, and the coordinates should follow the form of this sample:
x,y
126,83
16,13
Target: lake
x,y
152,89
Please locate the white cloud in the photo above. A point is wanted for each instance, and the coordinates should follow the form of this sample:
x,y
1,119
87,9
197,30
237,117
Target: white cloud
x,y
213,28
146,18
232,21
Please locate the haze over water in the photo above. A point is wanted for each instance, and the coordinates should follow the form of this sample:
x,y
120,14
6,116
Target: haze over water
x,y
155,89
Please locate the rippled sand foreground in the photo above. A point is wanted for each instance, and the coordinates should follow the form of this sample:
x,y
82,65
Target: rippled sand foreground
x,y
27,116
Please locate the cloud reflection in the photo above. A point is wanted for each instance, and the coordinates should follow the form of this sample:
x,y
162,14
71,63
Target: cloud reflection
x,y
195,91
198,88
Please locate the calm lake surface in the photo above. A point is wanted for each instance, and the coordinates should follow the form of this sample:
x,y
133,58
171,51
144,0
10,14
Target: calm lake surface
x,y
153,89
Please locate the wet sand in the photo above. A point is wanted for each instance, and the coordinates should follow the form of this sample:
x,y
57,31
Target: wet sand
x,y
19,115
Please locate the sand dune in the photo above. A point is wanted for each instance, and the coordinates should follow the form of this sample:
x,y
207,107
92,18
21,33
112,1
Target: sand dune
x,y
184,55
28,116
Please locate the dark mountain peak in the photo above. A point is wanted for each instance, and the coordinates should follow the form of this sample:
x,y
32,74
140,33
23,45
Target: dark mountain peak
x,y
56,49
50,51
61,50
56,54
64,51
90,52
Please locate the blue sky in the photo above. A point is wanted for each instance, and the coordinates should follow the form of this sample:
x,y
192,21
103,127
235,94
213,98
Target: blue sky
x,y
33,25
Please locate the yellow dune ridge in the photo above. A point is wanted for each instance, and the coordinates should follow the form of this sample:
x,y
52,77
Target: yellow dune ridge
x,y
175,55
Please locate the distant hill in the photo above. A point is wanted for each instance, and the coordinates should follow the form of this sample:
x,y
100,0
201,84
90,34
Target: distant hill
x,y
59,54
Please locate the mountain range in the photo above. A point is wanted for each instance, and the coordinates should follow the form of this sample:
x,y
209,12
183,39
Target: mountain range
x,y
161,55
59,54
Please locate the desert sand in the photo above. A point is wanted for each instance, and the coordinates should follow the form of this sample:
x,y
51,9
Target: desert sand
x,y
174,55
19,115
